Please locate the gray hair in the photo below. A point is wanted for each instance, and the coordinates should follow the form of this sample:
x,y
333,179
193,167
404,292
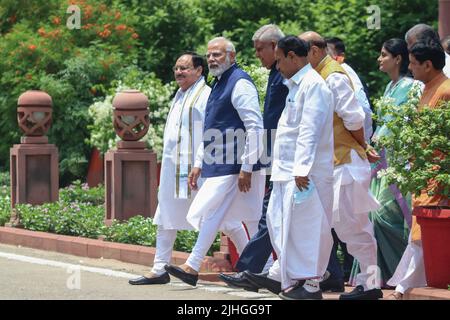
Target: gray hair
x,y
421,31
229,46
269,32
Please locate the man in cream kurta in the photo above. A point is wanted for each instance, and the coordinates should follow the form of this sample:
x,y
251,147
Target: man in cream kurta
x,y
233,188
352,198
300,231
182,137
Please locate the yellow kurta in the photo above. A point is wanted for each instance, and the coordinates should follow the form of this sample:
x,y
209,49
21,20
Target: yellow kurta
x,y
435,91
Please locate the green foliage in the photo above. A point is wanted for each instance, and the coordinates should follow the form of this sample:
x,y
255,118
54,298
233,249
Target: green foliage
x,y
260,76
5,178
137,42
80,192
102,135
417,145
5,204
137,230
73,66
80,212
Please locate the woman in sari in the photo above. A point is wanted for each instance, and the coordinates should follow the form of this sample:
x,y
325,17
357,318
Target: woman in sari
x,y
392,220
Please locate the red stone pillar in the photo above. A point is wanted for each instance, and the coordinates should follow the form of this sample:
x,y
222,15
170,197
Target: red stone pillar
x,y
444,18
33,162
130,171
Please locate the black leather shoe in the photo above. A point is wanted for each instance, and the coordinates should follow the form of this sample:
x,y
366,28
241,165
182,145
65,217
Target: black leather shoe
x,y
179,273
162,279
333,285
300,293
359,294
238,281
261,280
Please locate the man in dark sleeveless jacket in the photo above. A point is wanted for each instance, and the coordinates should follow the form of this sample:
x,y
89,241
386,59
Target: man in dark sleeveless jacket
x,y
233,188
255,256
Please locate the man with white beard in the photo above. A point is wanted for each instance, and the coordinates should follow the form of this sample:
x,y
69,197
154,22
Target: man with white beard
x,y
230,191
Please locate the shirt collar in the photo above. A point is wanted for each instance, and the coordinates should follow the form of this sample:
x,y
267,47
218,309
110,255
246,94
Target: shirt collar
x,y
298,77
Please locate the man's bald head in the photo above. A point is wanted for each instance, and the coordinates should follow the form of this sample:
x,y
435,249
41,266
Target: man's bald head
x,y
317,47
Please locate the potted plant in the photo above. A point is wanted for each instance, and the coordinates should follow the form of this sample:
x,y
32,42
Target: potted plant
x,y
418,147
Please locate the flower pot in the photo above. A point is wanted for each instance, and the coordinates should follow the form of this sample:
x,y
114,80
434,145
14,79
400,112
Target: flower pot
x,y
435,228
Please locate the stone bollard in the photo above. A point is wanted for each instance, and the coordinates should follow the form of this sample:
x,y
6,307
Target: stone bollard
x,y
130,171
33,162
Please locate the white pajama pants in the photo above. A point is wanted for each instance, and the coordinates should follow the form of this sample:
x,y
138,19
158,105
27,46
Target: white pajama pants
x,y
219,205
165,240
410,272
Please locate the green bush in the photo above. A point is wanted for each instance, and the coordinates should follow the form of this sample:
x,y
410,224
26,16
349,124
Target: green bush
x,y
5,204
418,145
81,193
80,67
80,212
102,135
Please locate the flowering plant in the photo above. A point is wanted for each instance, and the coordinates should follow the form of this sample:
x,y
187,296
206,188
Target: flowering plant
x,y
417,145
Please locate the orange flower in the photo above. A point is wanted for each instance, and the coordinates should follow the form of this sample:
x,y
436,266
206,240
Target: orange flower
x,y
135,35
121,27
56,20
41,32
32,47
117,15
105,33
106,26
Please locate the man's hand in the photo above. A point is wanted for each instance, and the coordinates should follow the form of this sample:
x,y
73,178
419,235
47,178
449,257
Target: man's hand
x,y
372,155
302,183
245,181
193,177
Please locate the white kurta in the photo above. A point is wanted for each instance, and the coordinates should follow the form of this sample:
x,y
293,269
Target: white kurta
x,y
360,95
300,232
241,206
447,65
171,212
352,198
358,171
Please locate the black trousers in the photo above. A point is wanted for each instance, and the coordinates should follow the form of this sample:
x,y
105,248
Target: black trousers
x,y
259,248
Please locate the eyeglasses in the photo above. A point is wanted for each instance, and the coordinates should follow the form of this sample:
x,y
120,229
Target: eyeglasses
x,y
181,68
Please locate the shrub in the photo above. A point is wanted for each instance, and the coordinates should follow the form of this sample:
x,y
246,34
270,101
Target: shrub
x,y
417,145
5,204
81,193
102,135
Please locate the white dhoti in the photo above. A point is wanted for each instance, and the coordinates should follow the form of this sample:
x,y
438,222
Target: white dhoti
x,y
219,205
351,217
300,233
410,272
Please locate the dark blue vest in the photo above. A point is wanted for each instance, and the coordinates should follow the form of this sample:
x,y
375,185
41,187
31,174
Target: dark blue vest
x,y
274,103
221,118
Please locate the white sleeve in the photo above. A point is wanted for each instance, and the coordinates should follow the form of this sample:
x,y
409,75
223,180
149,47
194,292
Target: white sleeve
x,y
317,104
246,102
199,156
346,105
